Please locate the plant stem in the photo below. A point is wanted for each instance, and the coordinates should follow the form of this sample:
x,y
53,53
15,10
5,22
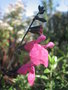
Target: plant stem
x,y
51,80
28,28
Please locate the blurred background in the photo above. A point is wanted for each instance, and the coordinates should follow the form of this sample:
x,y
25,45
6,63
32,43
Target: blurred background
x,y
15,18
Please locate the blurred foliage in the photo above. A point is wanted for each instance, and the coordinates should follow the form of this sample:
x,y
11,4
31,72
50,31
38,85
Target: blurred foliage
x,y
55,77
12,29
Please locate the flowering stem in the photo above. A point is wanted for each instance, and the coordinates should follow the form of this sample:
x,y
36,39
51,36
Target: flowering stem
x,y
12,60
29,28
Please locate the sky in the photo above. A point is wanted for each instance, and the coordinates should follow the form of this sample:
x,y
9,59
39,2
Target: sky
x,y
63,6
32,5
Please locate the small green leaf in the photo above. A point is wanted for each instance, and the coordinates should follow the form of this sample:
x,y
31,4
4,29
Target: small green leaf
x,y
44,77
53,60
49,58
47,71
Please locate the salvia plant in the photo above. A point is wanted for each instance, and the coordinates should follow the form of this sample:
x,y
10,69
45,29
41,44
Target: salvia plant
x,y
38,53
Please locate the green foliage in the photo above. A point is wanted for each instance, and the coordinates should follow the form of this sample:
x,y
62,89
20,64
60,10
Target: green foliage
x,y
21,83
55,76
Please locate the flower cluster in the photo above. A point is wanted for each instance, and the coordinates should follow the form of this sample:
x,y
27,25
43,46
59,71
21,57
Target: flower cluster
x,y
5,26
16,7
38,55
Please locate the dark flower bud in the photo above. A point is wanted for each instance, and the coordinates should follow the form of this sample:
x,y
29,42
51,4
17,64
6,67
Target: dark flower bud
x,y
36,29
40,19
41,9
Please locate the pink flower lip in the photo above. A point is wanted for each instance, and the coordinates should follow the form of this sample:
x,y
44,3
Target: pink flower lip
x,y
31,76
39,55
28,68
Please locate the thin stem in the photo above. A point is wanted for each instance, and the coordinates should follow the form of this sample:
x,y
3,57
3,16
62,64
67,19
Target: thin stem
x,y
51,80
10,63
26,32
28,29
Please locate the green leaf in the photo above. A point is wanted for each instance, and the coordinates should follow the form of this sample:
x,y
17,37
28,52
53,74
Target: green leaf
x,y
47,71
44,77
53,60
49,57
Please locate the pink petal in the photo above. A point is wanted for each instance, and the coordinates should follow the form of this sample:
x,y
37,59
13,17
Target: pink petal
x,y
31,76
29,45
49,45
39,55
41,38
24,68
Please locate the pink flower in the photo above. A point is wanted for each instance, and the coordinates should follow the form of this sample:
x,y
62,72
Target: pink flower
x,y
39,55
49,45
31,76
28,68
29,45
